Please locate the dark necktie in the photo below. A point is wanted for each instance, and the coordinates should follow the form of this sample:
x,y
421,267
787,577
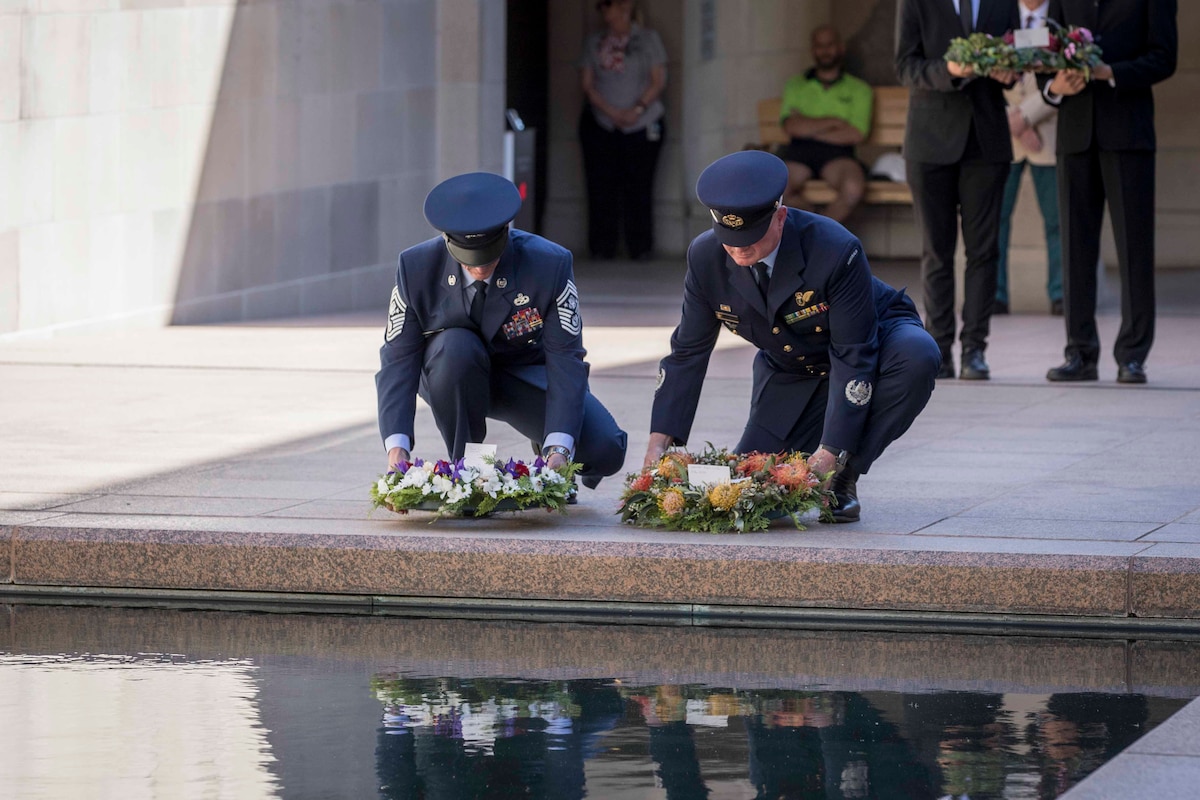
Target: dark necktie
x,y
761,278
964,13
477,300
1029,21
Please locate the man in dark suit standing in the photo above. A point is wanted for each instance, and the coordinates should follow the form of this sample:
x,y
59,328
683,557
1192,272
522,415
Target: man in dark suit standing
x,y
843,364
958,152
1106,148
484,323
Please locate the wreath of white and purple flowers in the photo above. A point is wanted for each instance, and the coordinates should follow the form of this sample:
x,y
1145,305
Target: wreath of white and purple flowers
x,y
451,488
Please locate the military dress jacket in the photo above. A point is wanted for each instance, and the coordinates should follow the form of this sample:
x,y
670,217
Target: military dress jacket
x,y
531,325
821,320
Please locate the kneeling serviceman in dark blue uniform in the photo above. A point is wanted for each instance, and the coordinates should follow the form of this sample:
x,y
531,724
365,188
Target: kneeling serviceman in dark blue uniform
x,y
844,364
484,322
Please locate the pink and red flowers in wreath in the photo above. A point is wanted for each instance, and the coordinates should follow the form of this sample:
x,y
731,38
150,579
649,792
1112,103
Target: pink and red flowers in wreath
x,y
1067,48
642,482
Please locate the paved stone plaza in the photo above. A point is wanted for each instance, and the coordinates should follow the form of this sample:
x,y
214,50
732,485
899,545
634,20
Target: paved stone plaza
x,y
238,458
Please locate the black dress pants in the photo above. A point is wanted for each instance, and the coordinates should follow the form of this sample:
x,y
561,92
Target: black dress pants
x,y
974,189
464,387
619,170
1126,179
908,365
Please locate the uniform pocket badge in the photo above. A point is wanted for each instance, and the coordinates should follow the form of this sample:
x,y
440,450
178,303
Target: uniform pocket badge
x,y
522,299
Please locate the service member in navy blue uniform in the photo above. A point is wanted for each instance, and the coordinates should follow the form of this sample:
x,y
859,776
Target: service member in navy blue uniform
x,y
1106,148
843,366
513,353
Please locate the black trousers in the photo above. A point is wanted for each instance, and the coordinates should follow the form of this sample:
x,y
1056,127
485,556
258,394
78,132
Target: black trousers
x,y
974,189
464,388
908,366
1126,179
619,170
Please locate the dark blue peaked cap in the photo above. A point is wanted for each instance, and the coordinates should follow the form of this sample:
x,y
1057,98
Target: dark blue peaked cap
x,y
473,211
742,191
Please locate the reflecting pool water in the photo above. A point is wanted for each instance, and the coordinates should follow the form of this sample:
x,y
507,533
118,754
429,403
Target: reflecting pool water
x,y
155,703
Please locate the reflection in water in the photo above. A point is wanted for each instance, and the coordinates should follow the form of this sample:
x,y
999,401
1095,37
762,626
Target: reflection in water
x,y
444,738
130,727
325,706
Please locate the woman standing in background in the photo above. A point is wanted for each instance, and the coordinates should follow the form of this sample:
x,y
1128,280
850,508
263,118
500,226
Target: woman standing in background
x,y
624,72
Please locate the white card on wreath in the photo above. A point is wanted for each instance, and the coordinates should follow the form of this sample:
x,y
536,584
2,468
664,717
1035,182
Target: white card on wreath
x,y
1031,37
708,474
474,454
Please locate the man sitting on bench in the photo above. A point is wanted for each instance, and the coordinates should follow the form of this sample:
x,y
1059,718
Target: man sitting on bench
x,y
826,112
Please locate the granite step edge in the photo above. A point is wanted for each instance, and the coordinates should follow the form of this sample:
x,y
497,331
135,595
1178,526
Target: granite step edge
x,y
643,572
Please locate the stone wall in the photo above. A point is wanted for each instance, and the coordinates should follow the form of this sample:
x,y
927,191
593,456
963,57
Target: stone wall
x,y
209,160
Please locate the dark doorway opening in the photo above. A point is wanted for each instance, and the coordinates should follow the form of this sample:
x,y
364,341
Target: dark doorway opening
x,y
527,78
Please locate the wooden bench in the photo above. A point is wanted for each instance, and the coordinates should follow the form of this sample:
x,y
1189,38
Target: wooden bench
x,y
887,133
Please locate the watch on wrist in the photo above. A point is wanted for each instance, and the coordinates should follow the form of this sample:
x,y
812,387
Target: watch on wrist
x,y
556,449
841,457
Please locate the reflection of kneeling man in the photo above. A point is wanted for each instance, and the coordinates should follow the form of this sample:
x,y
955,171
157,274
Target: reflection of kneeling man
x,y
843,360
484,322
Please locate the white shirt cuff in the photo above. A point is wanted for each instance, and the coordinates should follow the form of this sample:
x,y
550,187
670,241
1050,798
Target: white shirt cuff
x,y
1051,98
400,440
560,440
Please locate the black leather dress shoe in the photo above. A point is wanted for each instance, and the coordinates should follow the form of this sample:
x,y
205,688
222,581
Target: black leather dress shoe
x,y
947,368
999,307
974,366
1056,308
845,496
591,481
1073,369
1131,372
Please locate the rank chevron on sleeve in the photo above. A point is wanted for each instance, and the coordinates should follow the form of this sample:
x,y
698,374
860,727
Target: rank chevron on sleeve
x,y
397,309
568,310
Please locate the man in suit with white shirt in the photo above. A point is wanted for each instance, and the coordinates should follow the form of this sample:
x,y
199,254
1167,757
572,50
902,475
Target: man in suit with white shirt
x,y
1032,122
958,151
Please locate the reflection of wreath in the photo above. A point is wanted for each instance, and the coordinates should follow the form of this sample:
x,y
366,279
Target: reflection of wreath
x,y
453,489
762,487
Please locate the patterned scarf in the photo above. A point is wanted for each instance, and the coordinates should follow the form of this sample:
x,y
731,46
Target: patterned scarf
x,y
612,52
